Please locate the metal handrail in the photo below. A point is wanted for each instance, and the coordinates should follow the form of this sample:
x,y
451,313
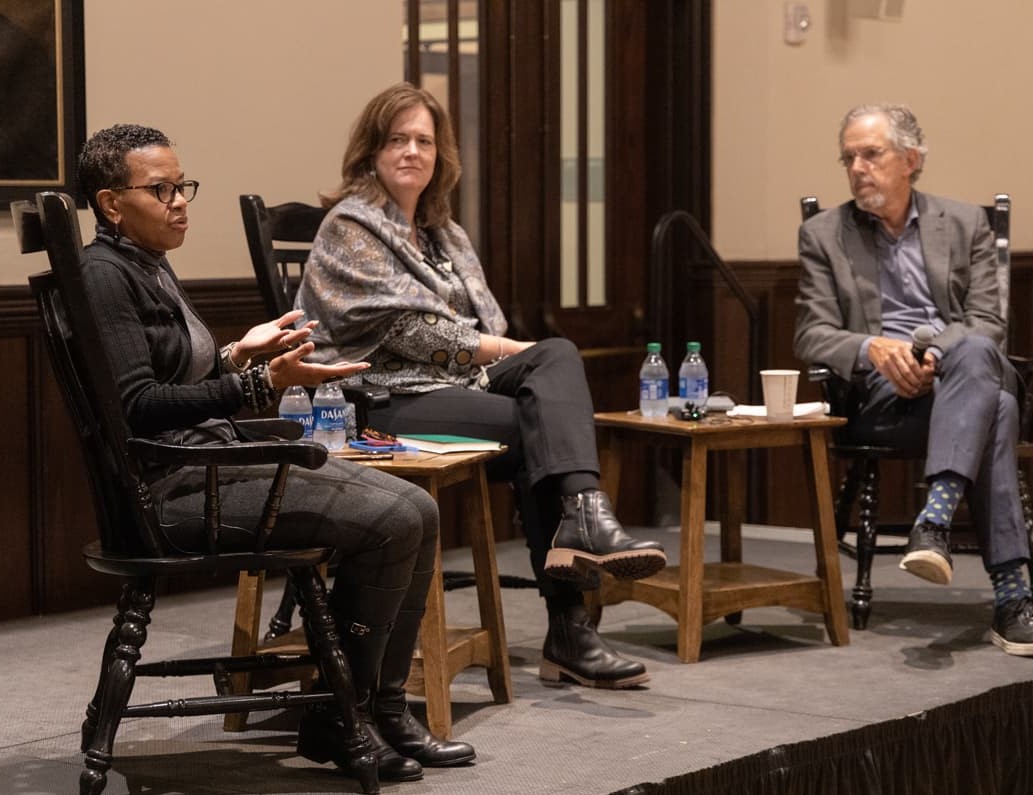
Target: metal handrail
x,y
660,271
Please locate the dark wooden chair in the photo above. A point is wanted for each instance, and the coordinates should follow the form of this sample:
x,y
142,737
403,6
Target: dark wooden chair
x,y
860,486
279,239
132,545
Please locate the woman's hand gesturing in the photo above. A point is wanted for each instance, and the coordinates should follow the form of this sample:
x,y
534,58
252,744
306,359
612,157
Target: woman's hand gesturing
x,y
289,368
272,337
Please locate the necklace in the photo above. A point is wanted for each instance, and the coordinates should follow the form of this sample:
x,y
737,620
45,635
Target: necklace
x,y
432,253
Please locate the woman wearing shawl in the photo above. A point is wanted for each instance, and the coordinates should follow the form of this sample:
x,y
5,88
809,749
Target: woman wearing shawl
x,y
394,281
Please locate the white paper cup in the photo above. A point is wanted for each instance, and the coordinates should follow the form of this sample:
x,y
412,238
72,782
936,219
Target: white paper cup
x,y
779,393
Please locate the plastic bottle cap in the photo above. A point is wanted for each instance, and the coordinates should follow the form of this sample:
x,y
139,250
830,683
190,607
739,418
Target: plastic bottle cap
x,y
653,347
692,347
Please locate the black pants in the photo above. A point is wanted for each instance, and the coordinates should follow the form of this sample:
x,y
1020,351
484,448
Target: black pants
x,y
538,404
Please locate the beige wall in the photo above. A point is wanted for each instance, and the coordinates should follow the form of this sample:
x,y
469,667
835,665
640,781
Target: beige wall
x,y
964,67
258,97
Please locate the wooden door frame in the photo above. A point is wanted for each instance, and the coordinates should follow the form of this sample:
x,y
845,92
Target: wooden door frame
x,y
658,155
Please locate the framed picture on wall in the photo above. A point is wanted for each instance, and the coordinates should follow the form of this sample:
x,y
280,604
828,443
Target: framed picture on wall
x,y
42,102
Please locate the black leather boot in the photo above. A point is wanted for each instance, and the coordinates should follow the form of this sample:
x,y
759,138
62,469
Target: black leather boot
x,y
348,744
589,536
364,642
396,723
323,737
574,650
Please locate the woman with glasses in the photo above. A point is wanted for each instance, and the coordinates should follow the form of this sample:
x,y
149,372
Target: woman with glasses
x,y
178,386
393,279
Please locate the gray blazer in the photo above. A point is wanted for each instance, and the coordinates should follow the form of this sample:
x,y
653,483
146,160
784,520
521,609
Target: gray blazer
x,y
839,304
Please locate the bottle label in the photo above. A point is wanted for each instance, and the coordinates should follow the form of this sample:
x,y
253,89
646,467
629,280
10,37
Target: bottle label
x,y
304,419
329,418
693,388
653,389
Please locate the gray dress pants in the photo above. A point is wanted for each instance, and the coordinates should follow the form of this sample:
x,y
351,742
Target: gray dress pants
x,y
968,425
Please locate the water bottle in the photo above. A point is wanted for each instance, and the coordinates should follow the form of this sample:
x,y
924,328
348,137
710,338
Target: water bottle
x,y
295,405
653,386
330,417
693,379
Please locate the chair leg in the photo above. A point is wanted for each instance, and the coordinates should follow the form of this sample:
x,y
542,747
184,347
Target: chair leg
x,y
117,677
1026,499
245,640
325,643
845,499
861,597
280,623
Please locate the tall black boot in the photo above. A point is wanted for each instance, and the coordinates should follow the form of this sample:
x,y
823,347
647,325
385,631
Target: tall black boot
x,y
589,536
364,642
396,723
574,650
352,748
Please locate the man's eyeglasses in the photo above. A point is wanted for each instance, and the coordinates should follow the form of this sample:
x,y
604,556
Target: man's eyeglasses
x,y
165,192
869,155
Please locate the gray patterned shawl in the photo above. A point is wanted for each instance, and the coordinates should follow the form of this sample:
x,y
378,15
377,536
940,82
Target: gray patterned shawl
x,y
358,279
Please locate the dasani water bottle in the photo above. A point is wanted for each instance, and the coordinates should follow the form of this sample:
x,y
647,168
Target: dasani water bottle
x,y
330,417
295,405
653,386
693,378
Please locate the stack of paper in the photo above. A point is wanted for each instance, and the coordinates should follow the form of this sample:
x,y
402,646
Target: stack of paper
x,y
799,410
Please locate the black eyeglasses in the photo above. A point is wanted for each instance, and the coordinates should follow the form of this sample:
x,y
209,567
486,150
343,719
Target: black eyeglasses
x,y
165,192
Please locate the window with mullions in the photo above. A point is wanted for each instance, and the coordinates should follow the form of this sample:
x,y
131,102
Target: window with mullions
x,y
583,153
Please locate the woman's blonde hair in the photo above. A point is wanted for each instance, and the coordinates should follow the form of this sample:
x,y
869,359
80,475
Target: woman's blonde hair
x,y
369,135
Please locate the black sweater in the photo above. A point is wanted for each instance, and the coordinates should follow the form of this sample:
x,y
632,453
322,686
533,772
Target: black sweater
x,y
147,342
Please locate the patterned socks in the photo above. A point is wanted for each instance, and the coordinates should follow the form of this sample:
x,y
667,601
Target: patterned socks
x,y
1009,585
945,493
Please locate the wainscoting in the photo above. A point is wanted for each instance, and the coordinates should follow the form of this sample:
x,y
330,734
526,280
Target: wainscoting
x,y
44,493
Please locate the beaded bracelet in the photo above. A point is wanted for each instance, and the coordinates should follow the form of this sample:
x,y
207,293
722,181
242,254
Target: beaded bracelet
x,y
257,386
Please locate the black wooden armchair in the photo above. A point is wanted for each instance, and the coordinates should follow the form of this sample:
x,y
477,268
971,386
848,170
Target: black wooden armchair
x,y
131,544
860,486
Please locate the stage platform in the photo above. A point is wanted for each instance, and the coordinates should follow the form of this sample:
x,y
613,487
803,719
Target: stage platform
x,y
772,682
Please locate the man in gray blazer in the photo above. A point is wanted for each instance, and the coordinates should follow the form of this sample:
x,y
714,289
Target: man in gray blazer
x,y
874,270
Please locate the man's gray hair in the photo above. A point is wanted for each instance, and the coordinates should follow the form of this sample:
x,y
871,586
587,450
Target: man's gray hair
x,y
904,130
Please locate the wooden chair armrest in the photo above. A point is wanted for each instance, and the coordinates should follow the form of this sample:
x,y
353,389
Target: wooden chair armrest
x,y
817,373
299,453
368,395
272,428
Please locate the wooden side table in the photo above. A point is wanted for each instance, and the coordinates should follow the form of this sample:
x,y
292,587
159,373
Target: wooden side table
x,y
695,592
443,651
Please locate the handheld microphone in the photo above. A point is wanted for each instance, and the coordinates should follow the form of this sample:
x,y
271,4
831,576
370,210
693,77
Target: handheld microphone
x,y
921,339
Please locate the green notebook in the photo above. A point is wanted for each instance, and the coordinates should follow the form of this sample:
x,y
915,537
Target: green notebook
x,y
447,443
